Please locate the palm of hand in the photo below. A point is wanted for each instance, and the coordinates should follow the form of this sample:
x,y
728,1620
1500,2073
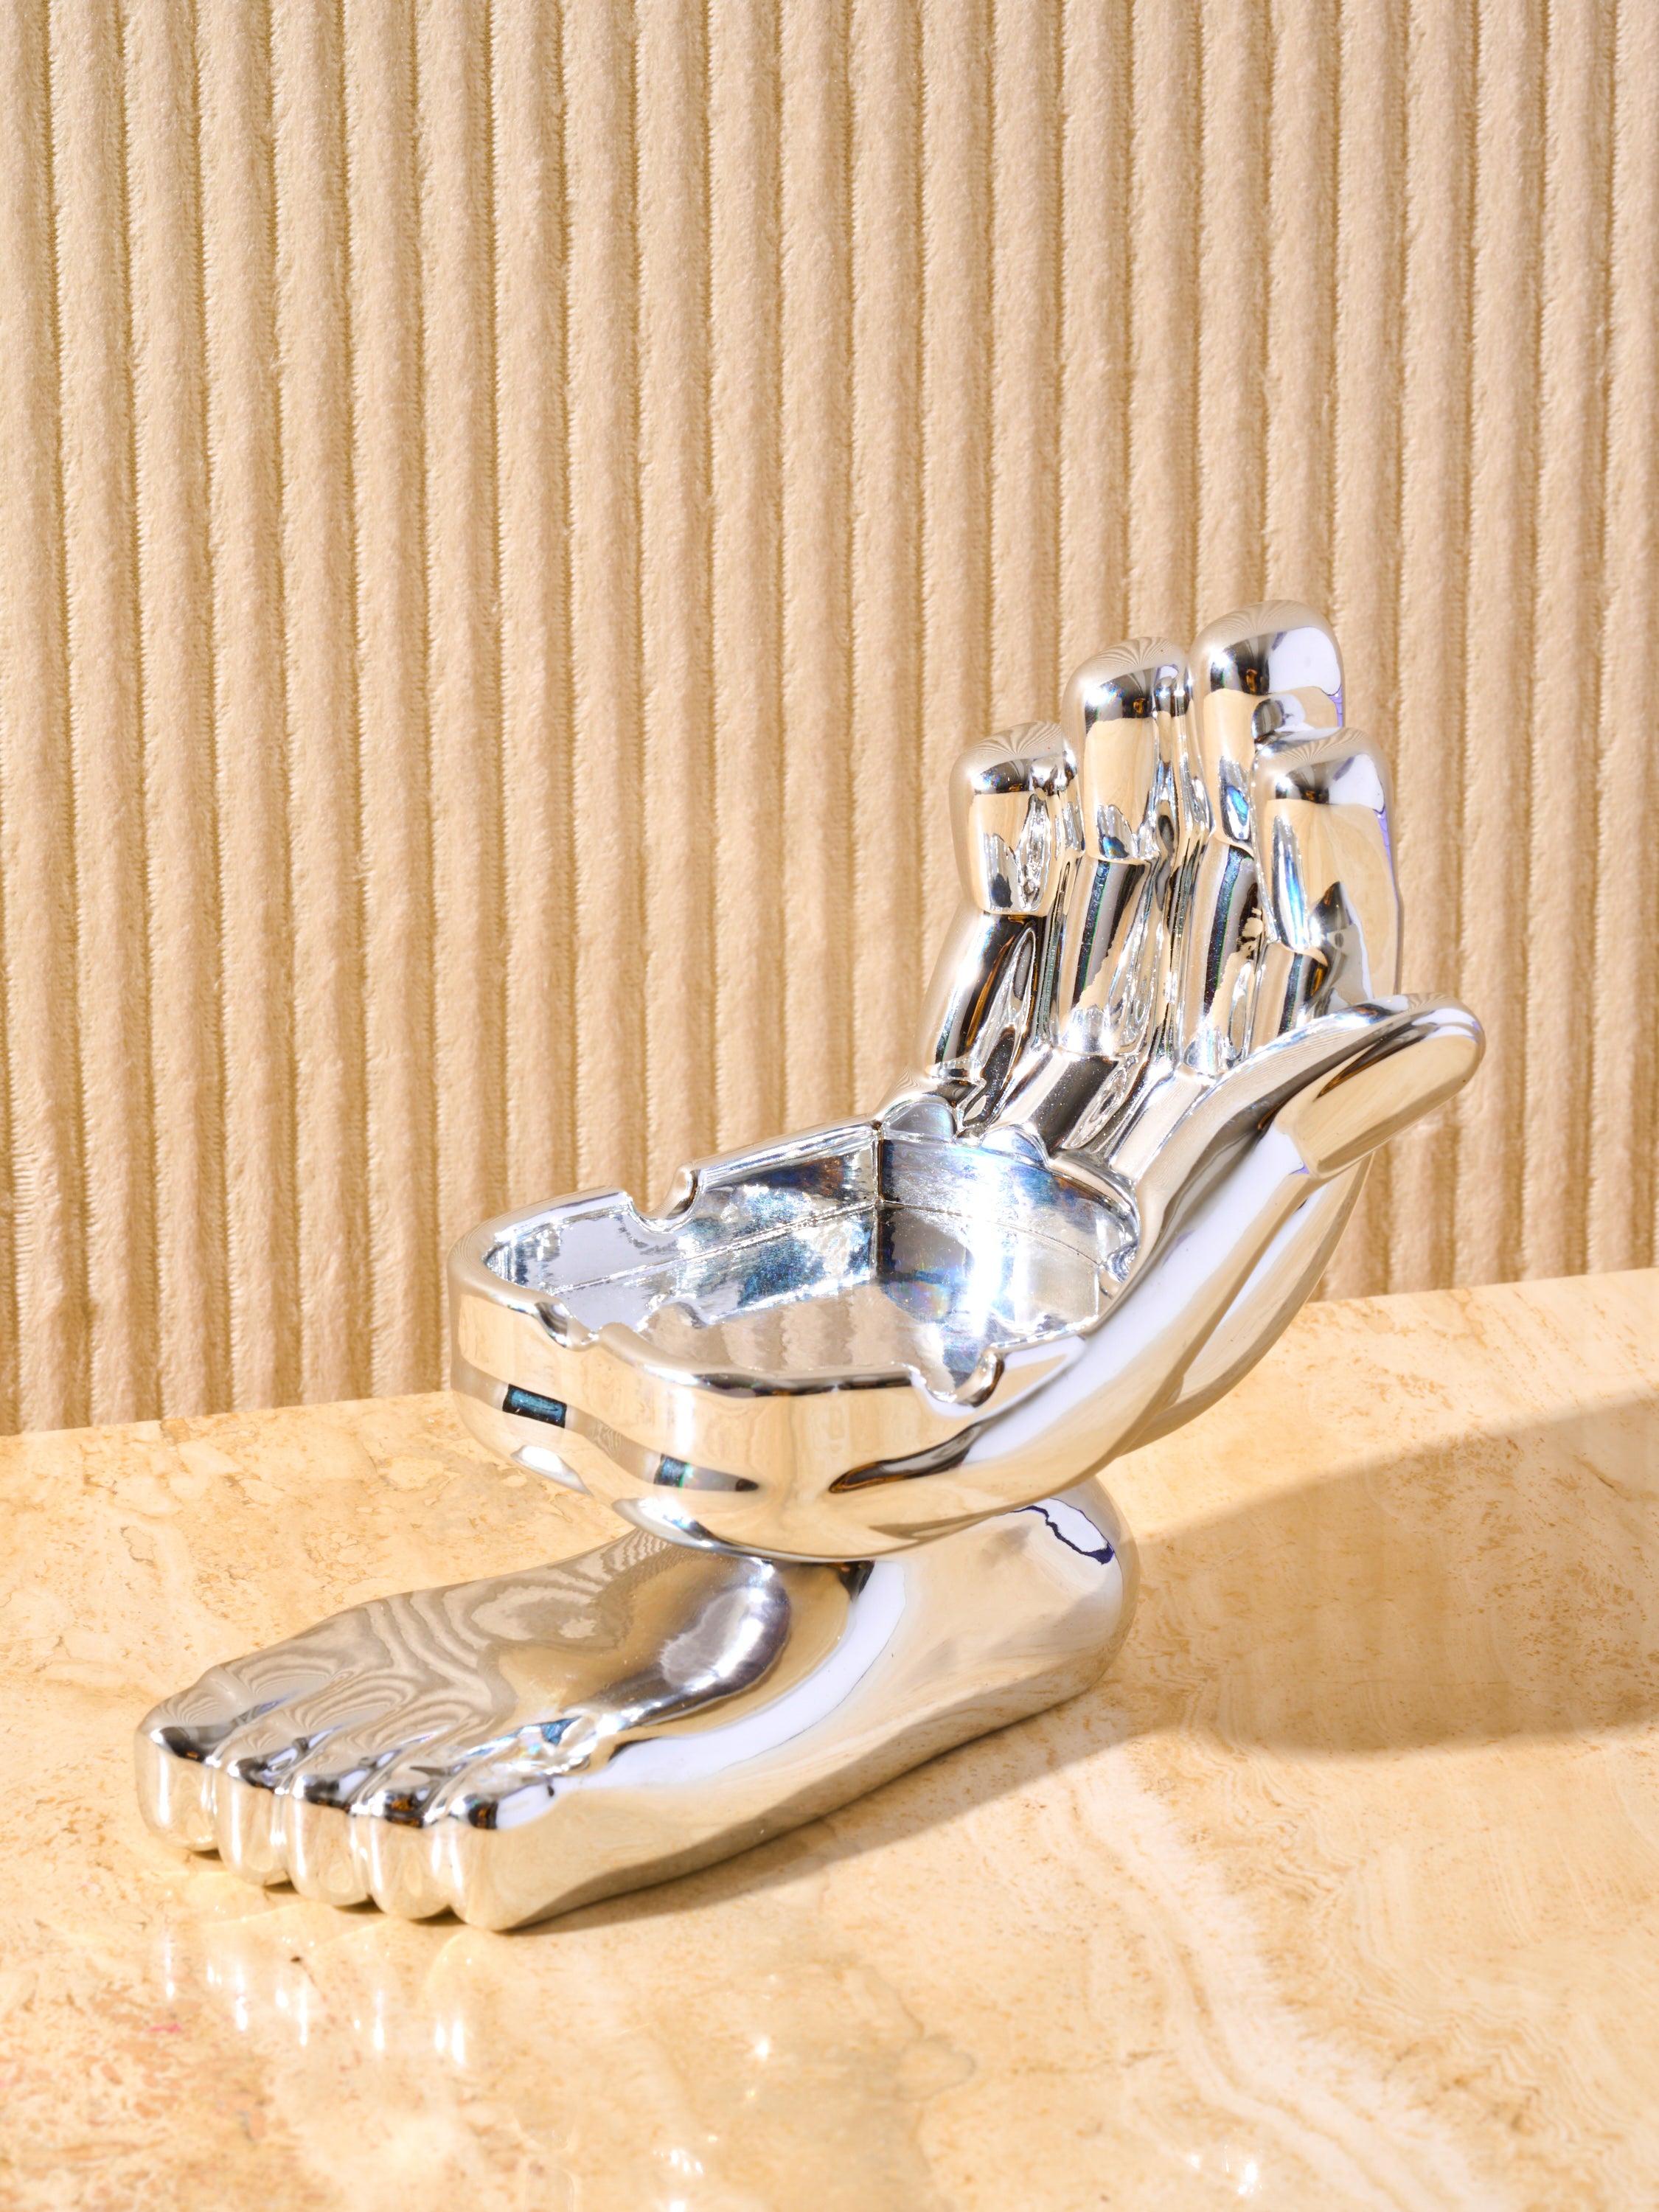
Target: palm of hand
x,y
1157,1051
1194,865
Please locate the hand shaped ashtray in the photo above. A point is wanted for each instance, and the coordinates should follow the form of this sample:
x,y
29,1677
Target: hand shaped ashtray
x,y
852,1389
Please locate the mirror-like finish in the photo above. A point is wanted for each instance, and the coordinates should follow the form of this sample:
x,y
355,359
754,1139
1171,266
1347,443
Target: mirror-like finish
x,y
1257,677
852,1446
1014,825
856,1377
508,1748
1122,1164
1320,805
1105,989
1115,718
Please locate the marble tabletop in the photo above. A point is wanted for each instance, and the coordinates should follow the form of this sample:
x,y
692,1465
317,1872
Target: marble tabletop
x,y
1341,1889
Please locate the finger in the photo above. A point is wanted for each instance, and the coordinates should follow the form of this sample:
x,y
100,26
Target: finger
x,y
1281,650
1013,819
1337,1087
1274,1128
1284,653
1274,1293
1320,802
1403,1073
1424,1062
1101,997
1120,715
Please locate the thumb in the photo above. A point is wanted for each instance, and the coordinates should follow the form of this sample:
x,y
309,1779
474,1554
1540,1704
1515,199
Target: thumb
x,y
1402,1073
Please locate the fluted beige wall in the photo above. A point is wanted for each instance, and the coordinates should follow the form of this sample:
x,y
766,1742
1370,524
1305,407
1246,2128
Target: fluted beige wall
x,y
505,515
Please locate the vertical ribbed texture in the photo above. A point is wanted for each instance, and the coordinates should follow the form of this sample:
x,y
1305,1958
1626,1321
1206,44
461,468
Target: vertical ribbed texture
x,y
1095,328
882,928
957,437
1623,1187
509,512
743,311
1238,243
532,493
1024,412
1433,527
1370,269
816,502
320,609
106,730
174,586
395,791
601,307
468,967
245,509
1503,492
675,583
1301,154
47,1357
1166,90
1566,731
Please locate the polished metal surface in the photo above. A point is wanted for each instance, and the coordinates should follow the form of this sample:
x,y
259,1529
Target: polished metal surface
x,y
1160,1043
508,1748
855,1378
1014,818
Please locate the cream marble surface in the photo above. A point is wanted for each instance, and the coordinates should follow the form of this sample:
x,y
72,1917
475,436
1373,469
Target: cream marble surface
x,y
1342,1889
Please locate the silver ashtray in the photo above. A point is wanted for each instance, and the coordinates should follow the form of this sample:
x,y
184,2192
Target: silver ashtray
x,y
852,1389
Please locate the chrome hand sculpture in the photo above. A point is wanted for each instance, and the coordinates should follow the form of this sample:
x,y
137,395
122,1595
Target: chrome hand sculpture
x,y
852,1388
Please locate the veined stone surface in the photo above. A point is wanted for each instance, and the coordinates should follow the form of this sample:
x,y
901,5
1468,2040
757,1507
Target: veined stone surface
x,y
1342,1888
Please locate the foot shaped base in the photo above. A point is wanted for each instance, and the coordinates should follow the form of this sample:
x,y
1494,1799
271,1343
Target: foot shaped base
x,y
509,1748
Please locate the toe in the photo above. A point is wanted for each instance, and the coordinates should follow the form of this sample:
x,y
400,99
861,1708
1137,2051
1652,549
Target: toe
x,y
247,1825
317,1849
181,1744
396,1840
328,1741
172,1748
506,1854
317,1793
246,1778
174,1788
401,1864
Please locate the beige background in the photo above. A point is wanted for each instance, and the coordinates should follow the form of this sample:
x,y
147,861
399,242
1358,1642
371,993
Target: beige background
x,y
505,516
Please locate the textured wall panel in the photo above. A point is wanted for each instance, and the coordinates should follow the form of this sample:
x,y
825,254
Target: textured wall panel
x,y
509,511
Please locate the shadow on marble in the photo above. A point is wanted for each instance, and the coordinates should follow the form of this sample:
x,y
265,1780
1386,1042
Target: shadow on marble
x,y
1508,1586
1504,1586
885,1998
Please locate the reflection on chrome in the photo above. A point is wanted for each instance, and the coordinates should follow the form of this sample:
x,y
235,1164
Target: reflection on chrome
x,y
513,1747
846,1385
